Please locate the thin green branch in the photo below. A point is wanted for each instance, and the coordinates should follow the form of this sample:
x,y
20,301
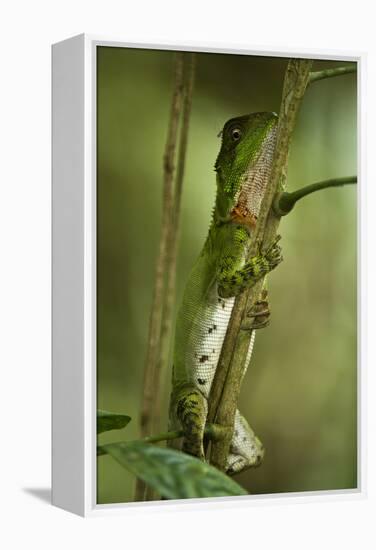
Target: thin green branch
x,y
166,436
212,431
284,202
329,73
226,384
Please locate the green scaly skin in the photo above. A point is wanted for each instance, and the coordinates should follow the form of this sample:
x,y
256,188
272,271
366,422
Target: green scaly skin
x,y
220,273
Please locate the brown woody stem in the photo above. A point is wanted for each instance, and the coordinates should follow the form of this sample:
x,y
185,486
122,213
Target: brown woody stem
x,y
226,385
154,339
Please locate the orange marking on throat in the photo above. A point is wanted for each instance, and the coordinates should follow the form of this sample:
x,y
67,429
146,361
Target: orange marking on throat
x,y
242,216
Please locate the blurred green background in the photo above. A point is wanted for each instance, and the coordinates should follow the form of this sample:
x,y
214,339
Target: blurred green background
x,y
300,392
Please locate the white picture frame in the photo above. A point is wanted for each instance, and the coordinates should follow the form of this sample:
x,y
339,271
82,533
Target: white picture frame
x,y
74,277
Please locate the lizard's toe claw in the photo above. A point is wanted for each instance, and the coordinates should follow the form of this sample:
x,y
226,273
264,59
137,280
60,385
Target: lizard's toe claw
x,y
274,256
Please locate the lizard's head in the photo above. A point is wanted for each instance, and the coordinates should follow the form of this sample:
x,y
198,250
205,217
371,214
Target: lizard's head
x,y
243,166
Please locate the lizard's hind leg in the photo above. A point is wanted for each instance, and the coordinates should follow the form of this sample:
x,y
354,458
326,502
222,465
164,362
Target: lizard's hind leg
x,y
246,449
191,411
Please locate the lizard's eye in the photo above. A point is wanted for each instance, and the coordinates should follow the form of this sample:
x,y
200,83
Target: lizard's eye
x,y
236,134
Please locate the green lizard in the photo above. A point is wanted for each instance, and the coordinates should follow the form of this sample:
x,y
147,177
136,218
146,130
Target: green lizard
x,y
220,273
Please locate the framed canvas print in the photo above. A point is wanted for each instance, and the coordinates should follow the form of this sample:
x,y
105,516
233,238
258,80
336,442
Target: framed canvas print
x,y
205,239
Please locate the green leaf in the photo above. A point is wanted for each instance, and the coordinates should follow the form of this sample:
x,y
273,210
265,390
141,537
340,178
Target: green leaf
x,y
172,473
110,421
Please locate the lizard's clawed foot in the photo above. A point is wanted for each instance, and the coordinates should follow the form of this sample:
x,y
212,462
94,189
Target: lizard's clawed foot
x,y
192,410
259,315
274,254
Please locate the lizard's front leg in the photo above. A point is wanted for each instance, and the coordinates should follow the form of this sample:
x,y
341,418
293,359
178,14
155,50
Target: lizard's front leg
x,y
232,281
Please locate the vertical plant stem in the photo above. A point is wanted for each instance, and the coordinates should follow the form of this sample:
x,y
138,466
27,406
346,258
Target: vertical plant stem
x,y
164,289
171,256
152,354
226,385
172,242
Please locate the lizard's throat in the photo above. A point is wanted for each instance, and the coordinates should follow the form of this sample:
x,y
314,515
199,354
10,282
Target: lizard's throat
x,y
251,191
